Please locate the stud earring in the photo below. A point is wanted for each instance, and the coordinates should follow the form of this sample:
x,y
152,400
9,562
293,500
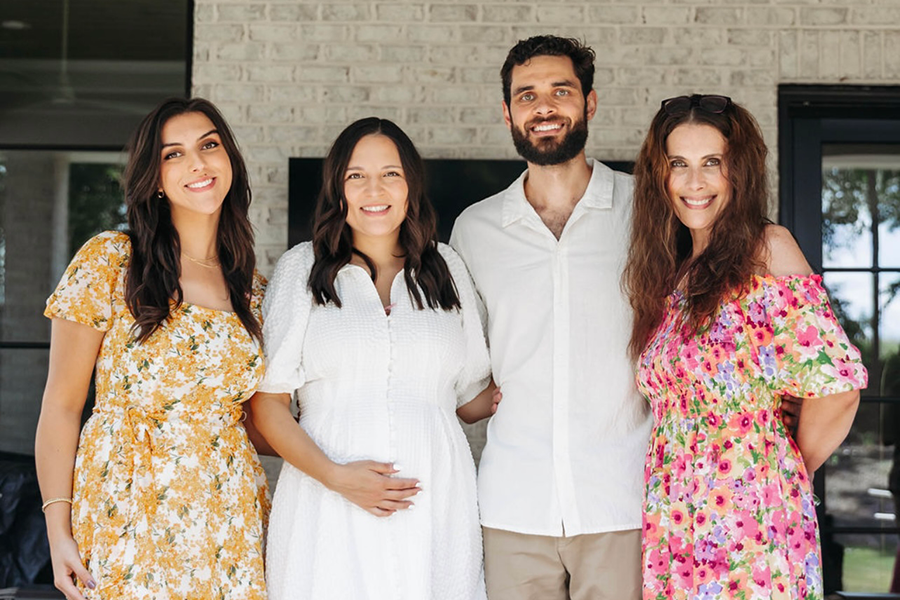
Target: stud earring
x,y
160,194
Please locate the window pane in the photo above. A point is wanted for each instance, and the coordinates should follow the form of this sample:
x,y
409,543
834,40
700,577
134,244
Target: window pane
x,y
889,304
23,373
846,221
868,562
50,204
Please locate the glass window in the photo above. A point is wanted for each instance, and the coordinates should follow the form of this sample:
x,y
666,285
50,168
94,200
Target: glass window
x,y
50,204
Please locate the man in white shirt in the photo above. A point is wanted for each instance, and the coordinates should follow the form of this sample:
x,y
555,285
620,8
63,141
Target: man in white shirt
x,y
561,477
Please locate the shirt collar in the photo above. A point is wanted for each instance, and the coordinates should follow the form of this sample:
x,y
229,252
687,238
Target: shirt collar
x,y
599,193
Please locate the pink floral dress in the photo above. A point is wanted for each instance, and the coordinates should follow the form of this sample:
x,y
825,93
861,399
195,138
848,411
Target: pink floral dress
x,y
728,508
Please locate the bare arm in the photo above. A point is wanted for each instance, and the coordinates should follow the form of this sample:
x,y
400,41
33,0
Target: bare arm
x,y
73,352
256,438
824,423
366,483
481,406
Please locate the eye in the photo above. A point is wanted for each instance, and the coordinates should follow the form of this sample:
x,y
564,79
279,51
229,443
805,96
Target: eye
x,y
171,155
526,97
562,92
210,144
392,174
713,162
354,176
677,163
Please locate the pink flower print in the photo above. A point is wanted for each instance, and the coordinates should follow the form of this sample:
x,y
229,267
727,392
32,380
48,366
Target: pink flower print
x,y
724,467
689,355
740,423
677,517
809,342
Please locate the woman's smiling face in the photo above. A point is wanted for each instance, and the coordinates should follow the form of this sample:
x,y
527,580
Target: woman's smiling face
x,y
698,183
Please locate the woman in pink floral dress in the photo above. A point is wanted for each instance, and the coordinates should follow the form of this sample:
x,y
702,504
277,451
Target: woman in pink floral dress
x,y
728,320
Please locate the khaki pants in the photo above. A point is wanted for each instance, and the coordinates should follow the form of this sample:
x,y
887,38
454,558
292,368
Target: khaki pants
x,y
598,566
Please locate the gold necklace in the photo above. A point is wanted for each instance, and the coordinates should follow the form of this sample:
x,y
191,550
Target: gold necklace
x,y
200,262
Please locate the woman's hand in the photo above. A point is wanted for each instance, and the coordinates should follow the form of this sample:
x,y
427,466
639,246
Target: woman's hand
x,y
67,566
369,485
481,406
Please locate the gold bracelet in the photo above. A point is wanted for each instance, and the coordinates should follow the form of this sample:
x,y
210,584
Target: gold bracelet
x,y
54,501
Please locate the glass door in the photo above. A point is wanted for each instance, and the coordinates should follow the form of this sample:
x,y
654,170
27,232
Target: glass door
x,y
840,195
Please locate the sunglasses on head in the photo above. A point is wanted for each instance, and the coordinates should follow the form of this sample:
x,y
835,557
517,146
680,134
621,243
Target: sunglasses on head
x,y
682,104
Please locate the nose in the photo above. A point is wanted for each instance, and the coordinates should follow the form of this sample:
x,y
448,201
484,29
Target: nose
x,y
696,179
374,186
545,105
197,163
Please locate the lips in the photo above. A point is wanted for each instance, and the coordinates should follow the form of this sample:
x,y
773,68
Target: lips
x,y
543,128
698,203
202,184
375,209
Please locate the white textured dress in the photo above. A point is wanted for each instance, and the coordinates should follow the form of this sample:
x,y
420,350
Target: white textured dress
x,y
383,388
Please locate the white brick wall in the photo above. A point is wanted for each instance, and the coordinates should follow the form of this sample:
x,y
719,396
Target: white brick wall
x,y
290,74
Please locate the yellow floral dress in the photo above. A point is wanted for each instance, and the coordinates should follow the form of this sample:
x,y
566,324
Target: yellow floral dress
x,y
169,495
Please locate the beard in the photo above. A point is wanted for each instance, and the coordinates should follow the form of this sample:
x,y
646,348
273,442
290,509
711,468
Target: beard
x,y
547,152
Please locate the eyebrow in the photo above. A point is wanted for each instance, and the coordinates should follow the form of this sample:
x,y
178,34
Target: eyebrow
x,y
205,135
555,84
351,168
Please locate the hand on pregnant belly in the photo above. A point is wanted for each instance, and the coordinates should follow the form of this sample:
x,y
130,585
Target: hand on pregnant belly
x,y
370,485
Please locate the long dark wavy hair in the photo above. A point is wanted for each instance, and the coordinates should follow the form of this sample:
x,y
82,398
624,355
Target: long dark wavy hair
x,y
660,248
151,282
424,268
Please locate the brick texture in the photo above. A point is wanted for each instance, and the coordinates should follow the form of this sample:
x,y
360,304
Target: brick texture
x,y
290,74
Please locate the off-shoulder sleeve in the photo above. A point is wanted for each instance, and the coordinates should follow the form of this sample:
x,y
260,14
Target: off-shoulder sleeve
x,y
86,293
285,314
476,371
810,353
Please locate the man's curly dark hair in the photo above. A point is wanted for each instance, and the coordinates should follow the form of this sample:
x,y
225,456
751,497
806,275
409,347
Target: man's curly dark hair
x,y
550,45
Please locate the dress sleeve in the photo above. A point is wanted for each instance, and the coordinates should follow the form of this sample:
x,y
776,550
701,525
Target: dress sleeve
x,y
257,293
86,292
285,312
476,372
812,355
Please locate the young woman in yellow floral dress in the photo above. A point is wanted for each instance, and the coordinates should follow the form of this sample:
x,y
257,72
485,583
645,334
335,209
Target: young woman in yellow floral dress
x,y
162,496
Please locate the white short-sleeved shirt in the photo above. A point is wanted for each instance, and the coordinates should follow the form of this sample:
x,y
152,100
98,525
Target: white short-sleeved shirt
x,y
565,451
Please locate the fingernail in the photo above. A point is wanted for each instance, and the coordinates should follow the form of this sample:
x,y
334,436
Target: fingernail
x,y
397,467
412,506
91,584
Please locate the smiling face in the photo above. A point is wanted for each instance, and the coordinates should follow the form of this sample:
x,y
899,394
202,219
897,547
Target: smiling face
x,y
698,183
196,171
548,113
375,189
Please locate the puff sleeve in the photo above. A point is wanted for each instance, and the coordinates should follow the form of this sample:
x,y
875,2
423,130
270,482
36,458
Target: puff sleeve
x,y
476,370
810,354
285,311
88,289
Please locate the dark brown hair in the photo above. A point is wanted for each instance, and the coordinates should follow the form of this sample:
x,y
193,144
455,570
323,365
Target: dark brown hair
x,y
549,45
155,268
660,248
424,266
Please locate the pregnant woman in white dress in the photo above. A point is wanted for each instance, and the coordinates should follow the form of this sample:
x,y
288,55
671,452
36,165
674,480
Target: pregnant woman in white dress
x,y
376,326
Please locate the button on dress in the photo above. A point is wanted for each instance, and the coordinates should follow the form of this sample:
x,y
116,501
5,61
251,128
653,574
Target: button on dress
x,y
377,387
169,495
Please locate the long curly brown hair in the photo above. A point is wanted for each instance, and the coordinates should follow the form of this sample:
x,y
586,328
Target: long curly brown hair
x,y
152,280
660,248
